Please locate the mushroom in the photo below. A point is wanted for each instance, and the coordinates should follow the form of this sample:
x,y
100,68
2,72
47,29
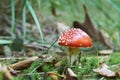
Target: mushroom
x,y
73,39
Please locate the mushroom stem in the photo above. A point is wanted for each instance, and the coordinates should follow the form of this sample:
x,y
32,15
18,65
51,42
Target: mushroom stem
x,y
72,51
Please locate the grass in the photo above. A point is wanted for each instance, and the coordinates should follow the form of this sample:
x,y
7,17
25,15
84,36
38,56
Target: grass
x,y
13,18
27,5
88,63
114,58
103,12
35,18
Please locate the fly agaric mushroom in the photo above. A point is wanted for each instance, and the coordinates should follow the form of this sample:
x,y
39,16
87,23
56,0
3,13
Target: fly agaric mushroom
x,y
73,39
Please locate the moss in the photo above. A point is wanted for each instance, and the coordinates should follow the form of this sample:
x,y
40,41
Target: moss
x,y
114,58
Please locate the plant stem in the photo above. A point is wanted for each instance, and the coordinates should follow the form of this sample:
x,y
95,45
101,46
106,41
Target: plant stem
x,y
13,17
70,56
79,57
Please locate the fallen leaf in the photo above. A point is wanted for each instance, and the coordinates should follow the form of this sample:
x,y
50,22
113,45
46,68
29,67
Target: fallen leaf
x,y
106,52
6,72
23,64
71,75
53,76
105,71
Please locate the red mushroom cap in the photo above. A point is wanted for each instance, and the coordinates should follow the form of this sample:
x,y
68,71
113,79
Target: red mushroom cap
x,y
75,38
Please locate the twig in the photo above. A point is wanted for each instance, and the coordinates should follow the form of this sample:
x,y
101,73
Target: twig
x,y
41,73
50,46
13,58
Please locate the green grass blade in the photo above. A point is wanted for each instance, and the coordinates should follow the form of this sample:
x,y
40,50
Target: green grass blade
x,y
35,18
5,41
24,20
13,17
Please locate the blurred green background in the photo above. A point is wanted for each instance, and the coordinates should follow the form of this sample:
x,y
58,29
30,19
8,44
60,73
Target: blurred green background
x,y
104,13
